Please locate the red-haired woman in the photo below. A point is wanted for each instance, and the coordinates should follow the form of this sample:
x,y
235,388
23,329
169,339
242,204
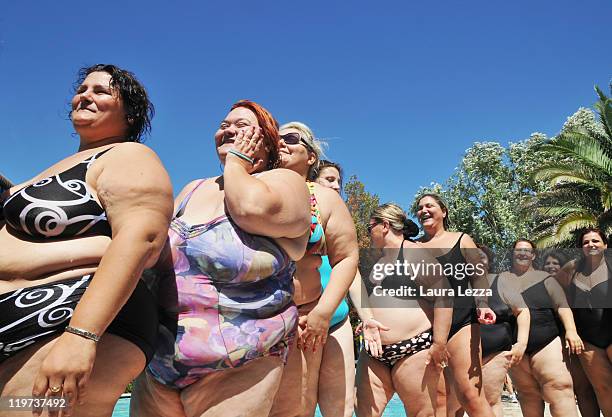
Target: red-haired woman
x,y
227,280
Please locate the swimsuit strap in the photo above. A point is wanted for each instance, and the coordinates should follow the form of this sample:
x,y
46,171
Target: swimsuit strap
x,y
316,242
187,198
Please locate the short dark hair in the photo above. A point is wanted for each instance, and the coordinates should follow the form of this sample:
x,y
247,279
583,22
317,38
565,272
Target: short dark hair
x,y
323,163
441,203
587,230
138,108
489,253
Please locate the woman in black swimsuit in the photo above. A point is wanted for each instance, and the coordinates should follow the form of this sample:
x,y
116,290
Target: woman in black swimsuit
x,y
554,260
501,348
590,294
463,377
74,240
414,343
542,374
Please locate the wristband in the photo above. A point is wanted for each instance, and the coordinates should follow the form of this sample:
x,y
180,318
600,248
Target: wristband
x,y
83,333
242,156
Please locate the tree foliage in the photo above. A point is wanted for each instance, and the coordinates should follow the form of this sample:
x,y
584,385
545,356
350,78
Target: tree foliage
x,y
579,173
361,204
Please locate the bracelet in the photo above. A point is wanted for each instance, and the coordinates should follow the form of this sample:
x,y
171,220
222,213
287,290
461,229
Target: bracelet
x,y
82,333
242,156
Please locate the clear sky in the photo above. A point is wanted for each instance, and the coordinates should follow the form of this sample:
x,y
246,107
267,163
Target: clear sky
x,y
399,88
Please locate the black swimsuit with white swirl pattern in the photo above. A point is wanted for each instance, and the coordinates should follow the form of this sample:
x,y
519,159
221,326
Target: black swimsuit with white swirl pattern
x,y
58,206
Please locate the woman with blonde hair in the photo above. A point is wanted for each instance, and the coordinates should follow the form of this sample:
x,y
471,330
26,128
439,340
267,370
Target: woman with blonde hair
x,y
332,234
407,356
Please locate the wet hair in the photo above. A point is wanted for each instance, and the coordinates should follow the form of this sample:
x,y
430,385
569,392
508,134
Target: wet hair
x,y
269,129
398,221
324,163
440,201
489,253
138,108
314,145
587,230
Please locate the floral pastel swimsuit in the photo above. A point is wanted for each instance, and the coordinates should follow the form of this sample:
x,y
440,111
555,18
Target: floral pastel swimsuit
x,y
227,299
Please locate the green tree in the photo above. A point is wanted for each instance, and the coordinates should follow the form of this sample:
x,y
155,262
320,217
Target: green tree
x,y
487,193
579,173
361,204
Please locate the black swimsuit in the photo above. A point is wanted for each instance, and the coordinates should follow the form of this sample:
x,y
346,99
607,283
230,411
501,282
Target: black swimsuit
x,y
498,337
543,327
60,207
464,308
593,311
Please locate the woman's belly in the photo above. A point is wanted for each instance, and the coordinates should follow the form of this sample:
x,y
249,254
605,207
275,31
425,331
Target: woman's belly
x,y
25,263
403,322
307,280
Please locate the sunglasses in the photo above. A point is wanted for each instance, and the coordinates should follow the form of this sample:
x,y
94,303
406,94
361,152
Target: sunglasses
x,y
294,139
371,226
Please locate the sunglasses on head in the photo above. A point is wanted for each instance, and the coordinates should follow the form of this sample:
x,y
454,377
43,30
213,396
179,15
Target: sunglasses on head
x,y
294,139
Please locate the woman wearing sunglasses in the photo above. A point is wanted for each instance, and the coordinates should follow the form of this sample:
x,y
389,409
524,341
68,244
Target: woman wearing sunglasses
x,y
226,277
332,234
408,355
542,374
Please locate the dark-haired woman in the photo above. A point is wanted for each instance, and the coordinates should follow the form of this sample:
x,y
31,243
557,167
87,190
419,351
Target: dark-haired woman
x,y
499,351
332,235
591,299
74,240
554,260
465,366
226,280
542,374
407,357
336,391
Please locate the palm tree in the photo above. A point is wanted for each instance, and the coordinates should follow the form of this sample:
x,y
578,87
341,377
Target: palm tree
x,y
579,172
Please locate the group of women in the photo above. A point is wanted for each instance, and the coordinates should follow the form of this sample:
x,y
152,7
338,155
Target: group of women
x,y
231,300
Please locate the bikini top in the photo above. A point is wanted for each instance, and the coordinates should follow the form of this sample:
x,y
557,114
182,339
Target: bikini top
x,y
219,252
62,205
316,243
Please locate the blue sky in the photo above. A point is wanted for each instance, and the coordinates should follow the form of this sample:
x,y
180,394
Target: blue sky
x,y
401,89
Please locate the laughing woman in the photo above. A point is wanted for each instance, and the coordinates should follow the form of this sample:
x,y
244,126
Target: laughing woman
x,y
542,374
226,280
464,373
74,240
333,235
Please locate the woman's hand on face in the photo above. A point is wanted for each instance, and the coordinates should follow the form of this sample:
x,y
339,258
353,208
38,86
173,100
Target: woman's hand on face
x,y
248,142
316,328
65,370
371,336
573,342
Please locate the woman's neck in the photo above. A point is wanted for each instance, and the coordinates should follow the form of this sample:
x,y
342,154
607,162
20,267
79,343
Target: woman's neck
x,y
519,270
433,231
393,240
88,143
591,263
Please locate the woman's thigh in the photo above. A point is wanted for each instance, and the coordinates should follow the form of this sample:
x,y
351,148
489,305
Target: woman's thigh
x,y
117,363
153,399
374,386
416,383
549,367
465,368
247,391
337,373
494,371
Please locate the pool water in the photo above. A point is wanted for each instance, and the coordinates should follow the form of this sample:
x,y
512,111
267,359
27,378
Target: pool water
x,y
394,408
